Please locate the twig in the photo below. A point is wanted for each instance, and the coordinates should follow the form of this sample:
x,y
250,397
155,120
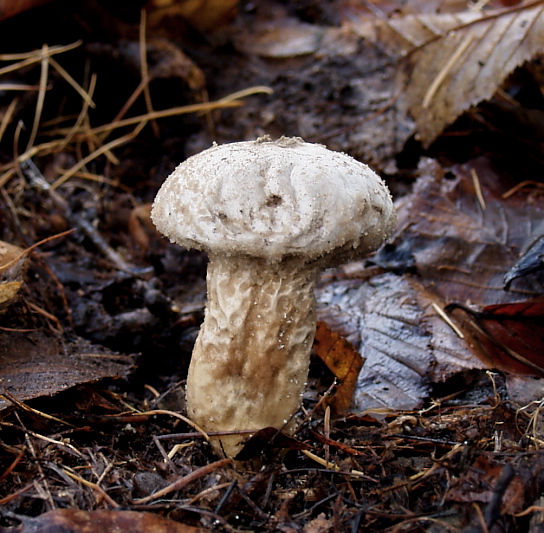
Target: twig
x,y
34,246
93,486
78,220
180,483
11,467
14,495
11,399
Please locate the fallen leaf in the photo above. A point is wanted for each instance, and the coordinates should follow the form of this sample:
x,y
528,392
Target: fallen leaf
x,y
454,60
8,293
9,8
404,343
460,252
205,15
13,264
279,39
13,261
486,480
463,247
343,360
34,364
512,335
531,261
76,521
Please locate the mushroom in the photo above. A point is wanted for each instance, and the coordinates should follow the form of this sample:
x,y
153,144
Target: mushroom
x,y
270,215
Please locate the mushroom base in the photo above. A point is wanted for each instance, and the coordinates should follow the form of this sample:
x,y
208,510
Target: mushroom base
x,y
250,361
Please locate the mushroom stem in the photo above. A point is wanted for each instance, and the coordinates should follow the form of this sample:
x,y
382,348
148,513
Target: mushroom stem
x,y
250,361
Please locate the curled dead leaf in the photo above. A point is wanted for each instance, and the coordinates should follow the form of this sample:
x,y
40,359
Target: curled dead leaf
x,y
455,59
12,267
343,360
511,335
205,15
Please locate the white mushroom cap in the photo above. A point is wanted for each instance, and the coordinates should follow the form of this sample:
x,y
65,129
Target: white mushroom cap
x,y
273,200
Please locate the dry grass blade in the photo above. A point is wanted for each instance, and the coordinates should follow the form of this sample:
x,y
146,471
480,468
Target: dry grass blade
x,y
145,70
8,115
29,58
98,152
84,110
78,88
229,101
41,95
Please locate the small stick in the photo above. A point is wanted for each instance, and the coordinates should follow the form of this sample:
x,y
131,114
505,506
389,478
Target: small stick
x,y
333,466
180,483
11,467
11,399
17,493
93,486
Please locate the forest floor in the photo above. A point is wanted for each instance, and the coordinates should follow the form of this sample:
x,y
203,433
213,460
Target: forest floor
x,y
99,320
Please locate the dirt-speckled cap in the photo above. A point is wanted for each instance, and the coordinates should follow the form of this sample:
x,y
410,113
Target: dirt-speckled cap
x,y
273,199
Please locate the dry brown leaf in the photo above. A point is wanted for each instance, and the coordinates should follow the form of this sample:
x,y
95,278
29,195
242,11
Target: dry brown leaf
x,y
8,293
206,15
511,335
455,60
343,360
13,262
139,223
484,479
9,8
33,364
461,251
406,345
464,241
76,521
280,39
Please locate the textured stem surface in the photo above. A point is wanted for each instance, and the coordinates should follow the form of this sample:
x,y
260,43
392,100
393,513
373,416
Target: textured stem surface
x,y
250,361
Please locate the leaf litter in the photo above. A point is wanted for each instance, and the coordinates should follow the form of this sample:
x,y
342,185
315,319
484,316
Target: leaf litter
x,y
443,434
